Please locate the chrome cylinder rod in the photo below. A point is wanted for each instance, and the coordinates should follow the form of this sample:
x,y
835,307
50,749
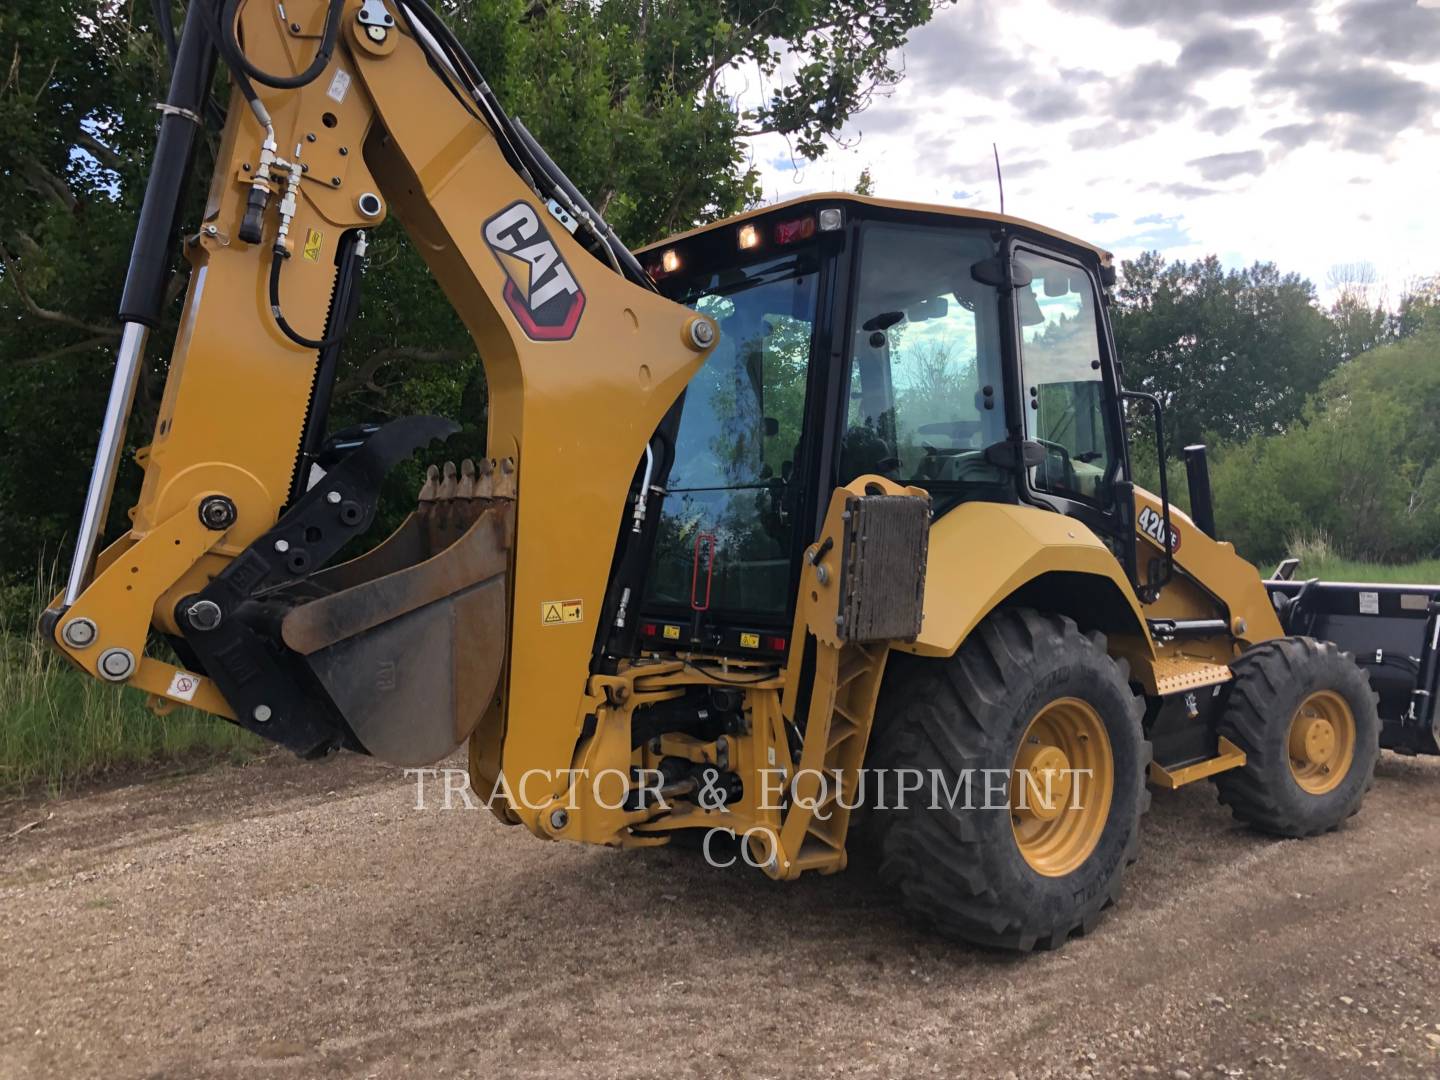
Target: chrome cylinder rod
x,y
107,456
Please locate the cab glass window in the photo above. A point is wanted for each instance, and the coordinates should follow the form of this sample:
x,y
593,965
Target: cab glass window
x,y
1060,366
728,515
926,392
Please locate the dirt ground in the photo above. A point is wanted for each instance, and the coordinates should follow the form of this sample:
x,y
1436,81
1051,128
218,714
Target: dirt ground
x,y
303,921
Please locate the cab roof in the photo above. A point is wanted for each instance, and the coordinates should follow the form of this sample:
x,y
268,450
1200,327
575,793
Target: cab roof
x,y
829,198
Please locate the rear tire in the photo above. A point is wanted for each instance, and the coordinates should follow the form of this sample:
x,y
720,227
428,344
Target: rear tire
x,y
965,871
1305,716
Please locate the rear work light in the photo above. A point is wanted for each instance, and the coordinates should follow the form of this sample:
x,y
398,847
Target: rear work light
x,y
791,232
667,263
749,237
831,219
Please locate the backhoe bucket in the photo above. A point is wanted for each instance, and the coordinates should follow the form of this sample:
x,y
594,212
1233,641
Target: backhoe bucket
x,y
408,640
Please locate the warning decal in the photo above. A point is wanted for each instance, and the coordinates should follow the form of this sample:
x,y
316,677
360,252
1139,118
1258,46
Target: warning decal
x,y
339,86
314,241
559,612
183,686
750,641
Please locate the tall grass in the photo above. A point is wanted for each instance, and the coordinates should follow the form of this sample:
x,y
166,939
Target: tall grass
x,y
1338,569
59,727
1319,558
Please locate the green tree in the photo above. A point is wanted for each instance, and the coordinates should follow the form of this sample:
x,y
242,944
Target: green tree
x,y
1231,353
629,96
1362,466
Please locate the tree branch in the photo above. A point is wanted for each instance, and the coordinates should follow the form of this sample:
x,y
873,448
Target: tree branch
x,y
12,272
363,377
45,183
67,350
103,154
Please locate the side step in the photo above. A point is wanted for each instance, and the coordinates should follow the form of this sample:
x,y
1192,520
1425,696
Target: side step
x,y
1229,756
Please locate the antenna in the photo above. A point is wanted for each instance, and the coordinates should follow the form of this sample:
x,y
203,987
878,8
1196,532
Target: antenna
x,y
999,179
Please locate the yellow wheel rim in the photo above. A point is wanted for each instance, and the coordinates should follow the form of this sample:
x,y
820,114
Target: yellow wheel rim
x,y
1321,744
1061,785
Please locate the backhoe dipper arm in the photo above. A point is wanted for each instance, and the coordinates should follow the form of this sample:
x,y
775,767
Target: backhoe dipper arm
x,y
581,363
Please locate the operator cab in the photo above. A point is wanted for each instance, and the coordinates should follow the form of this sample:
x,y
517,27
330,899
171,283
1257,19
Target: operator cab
x,y
956,351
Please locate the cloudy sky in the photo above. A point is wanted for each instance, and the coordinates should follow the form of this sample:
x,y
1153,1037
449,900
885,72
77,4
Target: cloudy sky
x,y
1306,132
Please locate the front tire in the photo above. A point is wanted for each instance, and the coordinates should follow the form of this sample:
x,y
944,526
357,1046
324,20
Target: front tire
x,y
1026,694
1305,716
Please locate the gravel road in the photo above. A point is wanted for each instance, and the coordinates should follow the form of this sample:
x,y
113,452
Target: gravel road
x,y
304,921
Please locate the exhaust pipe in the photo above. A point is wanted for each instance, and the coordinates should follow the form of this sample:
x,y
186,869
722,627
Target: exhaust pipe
x,y
1197,471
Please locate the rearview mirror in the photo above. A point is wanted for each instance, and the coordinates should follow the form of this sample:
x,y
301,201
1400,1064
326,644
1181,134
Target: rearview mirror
x,y
935,308
1002,274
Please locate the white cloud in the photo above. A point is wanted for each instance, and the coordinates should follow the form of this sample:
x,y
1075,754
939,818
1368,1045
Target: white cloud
x,y
1258,132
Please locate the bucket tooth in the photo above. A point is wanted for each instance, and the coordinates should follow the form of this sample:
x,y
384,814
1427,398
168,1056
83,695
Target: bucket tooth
x,y
485,482
430,488
505,481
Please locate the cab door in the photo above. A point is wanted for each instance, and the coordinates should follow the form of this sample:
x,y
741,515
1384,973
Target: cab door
x,y
1070,394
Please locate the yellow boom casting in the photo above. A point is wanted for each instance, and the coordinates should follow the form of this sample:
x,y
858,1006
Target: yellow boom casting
x,y
829,495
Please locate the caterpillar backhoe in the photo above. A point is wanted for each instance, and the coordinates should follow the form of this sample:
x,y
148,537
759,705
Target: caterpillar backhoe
x,y
814,525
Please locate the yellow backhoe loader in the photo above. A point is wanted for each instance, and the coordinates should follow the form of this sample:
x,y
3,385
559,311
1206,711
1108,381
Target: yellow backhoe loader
x,y
814,526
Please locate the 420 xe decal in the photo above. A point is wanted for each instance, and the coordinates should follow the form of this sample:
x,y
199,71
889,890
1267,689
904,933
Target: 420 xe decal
x,y
1152,525
541,292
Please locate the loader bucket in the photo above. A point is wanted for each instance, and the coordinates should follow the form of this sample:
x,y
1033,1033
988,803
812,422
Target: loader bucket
x,y
408,640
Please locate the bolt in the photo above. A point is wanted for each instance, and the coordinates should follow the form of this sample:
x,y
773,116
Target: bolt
x,y
294,27
261,714
217,513
344,151
246,166
559,819
204,615
702,333
211,230
116,664
334,181
79,633
332,497
282,546
310,136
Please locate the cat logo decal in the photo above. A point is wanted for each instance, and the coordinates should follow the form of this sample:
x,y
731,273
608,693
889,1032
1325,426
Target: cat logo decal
x,y
540,290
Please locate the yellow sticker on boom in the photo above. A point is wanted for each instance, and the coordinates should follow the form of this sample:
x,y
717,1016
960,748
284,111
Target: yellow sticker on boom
x,y
750,641
314,241
560,612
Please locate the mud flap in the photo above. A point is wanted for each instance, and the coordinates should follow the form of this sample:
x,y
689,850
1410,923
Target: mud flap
x,y
411,647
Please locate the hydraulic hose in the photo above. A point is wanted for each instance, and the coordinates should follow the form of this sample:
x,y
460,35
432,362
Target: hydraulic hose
x,y
520,149
334,338
236,58
166,26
